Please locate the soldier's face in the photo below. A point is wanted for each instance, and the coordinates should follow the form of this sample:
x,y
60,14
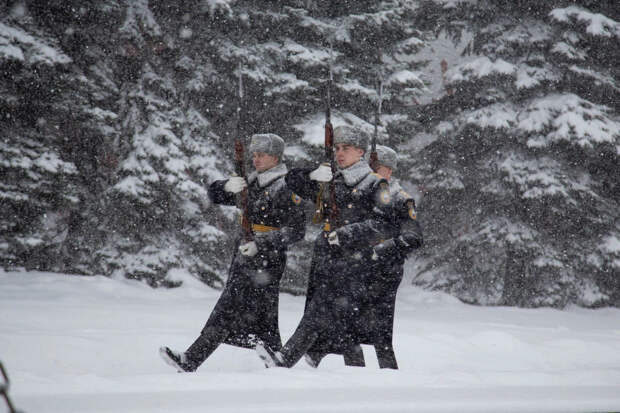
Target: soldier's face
x,y
347,155
263,161
384,171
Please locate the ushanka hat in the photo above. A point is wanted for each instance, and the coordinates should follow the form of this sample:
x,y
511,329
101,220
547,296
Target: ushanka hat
x,y
350,136
387,156
268,143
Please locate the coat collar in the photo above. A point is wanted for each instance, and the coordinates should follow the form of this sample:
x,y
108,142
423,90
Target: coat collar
x,y
355,173
268,176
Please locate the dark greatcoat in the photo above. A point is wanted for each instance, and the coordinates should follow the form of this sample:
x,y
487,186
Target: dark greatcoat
x,y
377,315
336,285
248,307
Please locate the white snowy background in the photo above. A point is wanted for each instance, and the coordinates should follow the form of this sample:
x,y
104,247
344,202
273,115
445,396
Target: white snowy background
x,y
89,344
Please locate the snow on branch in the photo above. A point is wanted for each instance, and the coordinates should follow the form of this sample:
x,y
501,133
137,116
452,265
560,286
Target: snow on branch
x,y
305,56
569,51
354,86
411,44
537,178
214,6
313,127
480,68
51,162
567,117
530,76
496,116
379,18
405,77
595,77
139,18
16,44
287,83
501,230
596,23
610,245
132,185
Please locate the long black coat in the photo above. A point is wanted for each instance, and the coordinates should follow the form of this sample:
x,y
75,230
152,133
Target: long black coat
x,y
376,321
248,306
337,279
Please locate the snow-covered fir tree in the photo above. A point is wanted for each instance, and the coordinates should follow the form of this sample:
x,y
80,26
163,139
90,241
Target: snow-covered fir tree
x,y
522,180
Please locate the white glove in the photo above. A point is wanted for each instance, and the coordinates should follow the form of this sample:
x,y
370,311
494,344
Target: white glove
x,y
322,174
332,238
374,257
235,184
249,249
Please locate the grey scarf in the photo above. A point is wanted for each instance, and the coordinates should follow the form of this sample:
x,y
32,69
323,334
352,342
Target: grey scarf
x,y
354,173
268,176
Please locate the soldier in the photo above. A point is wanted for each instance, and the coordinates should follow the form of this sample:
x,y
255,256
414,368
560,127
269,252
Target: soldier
x,y
376,321
247,310
336,286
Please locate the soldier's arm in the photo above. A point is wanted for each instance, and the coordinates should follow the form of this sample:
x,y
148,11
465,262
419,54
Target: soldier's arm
x,y
217,195
409,239
381,225
293,226
299,182
361,235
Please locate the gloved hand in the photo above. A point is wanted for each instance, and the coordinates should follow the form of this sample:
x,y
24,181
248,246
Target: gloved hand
x,y
321,174
248,249
235,184
332,238
375,256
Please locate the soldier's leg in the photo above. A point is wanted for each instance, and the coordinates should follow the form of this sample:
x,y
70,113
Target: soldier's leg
x,y
354,356
302,339
209,339
386,356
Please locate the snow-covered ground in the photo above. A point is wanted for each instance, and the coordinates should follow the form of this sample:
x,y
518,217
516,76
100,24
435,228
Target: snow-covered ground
x,y
89,344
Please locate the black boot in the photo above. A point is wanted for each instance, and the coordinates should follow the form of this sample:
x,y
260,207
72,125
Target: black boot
x,y
177,360
294,349
313,358
386,356
268,356
354,356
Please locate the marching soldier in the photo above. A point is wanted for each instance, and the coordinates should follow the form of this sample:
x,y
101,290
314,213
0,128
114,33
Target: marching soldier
x,y
389,255
376,322
247,310
338,270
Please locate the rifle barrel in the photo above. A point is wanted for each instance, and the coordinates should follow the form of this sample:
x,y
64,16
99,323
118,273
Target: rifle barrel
x,y
243,201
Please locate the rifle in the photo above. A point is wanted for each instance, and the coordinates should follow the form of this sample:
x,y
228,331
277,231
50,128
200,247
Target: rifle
x,y
374,160
331,220
243,202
